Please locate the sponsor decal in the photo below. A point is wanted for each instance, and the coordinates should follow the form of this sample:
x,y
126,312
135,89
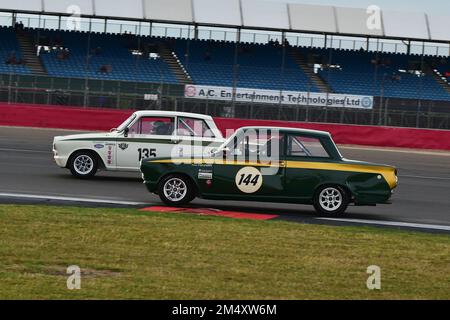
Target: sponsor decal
x,y
205,174
313,99
99,146
151,97
367,103
249,179
109,155
123,146
190,91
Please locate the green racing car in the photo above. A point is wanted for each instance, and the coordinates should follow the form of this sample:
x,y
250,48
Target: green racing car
x,y
269,164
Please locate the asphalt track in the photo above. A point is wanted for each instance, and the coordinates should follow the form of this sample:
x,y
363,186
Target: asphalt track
x,y
27,168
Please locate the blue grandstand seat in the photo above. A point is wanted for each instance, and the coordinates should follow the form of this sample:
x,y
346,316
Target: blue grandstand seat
x,y
114,51
9,46
258,66
360,75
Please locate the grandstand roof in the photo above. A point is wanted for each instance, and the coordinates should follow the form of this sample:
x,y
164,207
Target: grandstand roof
x,y
258,14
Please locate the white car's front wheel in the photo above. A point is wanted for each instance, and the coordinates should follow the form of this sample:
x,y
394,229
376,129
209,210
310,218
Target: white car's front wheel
x,y
83,164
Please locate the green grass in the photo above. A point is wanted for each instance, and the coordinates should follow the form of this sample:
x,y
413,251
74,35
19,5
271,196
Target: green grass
x,y
125,253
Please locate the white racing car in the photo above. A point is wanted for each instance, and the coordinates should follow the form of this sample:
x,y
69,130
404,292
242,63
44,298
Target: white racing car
x,y
145,134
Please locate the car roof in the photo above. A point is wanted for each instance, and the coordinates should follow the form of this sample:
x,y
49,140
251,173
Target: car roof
x,y
172,113
296,130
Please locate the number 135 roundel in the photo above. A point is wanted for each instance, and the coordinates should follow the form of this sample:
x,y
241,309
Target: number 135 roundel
x,y
145,134
273,165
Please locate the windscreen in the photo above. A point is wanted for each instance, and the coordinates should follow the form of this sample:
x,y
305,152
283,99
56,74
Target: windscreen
x,y
126,123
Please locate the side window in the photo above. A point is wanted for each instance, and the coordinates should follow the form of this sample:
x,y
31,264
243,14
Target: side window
x,y
153,126
257,144
300,146
191,127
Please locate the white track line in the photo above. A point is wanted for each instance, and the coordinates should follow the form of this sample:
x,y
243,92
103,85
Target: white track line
x,y
424,177
130,203
24,150
71,199
52,129
398,150
392,223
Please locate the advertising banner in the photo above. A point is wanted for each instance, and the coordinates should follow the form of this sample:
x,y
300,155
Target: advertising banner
x,y
315,99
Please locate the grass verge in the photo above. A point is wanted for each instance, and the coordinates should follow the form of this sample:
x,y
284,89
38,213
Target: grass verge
x,y
127,254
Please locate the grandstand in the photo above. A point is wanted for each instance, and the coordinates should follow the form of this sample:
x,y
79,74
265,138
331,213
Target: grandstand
x,y
280,62
212,63
111,50
11,60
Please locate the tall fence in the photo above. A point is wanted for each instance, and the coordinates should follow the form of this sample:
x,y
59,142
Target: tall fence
x,y
141,96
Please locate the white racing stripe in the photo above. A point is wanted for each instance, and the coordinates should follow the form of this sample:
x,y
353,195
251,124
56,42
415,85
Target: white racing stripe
x,y
70,199
392,223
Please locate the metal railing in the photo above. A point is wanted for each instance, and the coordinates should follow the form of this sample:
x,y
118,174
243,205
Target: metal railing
x,y
217,33
128,95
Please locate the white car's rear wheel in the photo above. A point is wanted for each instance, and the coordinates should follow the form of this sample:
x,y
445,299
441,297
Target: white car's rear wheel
x,y
83,164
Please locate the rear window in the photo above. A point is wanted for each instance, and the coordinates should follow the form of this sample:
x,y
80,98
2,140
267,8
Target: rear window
x,y
191,127
301,146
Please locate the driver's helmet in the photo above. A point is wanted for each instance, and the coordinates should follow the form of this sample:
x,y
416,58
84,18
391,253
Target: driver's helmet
x,y
157,127
161,128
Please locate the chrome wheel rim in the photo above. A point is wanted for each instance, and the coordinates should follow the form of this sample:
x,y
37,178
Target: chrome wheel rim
x,y
83,164
175,189
330,199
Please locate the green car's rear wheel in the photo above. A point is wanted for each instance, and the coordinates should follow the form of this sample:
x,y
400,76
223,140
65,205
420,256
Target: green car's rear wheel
x,y
176,190
331,200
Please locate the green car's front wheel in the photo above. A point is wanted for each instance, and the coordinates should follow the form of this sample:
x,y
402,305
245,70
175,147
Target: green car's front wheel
x,y
176,190
331,200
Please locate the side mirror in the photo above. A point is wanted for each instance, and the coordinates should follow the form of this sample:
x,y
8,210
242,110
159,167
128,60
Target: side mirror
x,y
125,132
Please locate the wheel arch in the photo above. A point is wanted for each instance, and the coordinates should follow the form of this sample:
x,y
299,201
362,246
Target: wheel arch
x,y
101,163
344,186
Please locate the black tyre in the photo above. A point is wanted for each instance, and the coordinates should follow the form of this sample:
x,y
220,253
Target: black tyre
x,y
331,200
176,190
83,164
